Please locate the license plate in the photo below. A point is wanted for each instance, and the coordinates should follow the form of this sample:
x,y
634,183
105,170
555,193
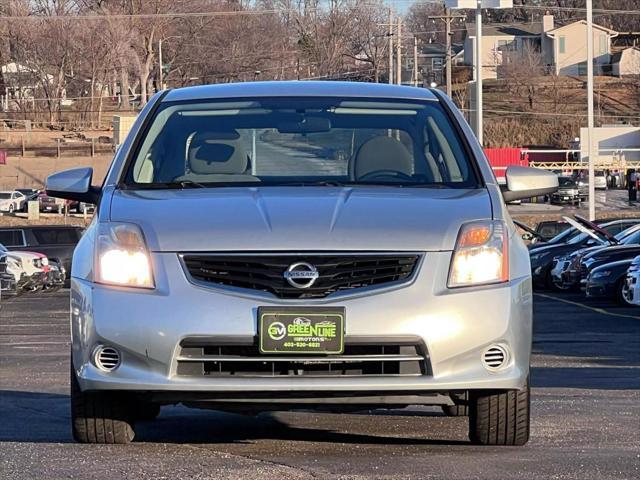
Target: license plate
x,y
308,330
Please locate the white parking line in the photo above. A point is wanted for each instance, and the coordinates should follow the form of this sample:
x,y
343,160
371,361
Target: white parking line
x,y
588,307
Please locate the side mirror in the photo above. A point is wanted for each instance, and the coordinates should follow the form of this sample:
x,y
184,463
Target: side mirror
x,y
74,184
525,182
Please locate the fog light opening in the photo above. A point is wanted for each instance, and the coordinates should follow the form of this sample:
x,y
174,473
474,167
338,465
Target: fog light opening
x,y
495,357
106,358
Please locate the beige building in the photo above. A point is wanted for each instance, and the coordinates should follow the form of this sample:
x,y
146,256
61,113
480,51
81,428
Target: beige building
x,y
563,49
498,43
626,63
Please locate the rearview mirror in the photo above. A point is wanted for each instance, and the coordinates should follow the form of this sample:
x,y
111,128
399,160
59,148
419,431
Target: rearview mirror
x,y
525,182
306,125
74,184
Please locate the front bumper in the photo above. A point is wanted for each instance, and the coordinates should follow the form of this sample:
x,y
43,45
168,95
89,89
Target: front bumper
x,y
147,327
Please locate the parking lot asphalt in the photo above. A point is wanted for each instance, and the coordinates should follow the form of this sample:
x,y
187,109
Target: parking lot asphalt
x,y
585,415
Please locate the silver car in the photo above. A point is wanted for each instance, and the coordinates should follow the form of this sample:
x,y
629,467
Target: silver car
x,y
264,246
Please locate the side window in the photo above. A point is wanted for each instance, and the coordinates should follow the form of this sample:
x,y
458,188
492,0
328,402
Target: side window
x,y
12,238
55,236
603,43
562,44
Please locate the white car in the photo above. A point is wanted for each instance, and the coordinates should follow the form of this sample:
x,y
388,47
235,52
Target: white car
x,y
30,269
600,181
633,281
12,201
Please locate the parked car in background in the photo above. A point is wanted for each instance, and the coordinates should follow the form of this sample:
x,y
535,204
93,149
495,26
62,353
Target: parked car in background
x,y
633,281
567,192
8,283
56,242
600,180
568,271
610,281
56,277
50,204
544,257
11,201
31,269
548,230
29,195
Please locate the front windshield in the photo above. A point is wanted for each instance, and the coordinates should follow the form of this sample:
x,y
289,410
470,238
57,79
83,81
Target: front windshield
x,y
566,182
303,141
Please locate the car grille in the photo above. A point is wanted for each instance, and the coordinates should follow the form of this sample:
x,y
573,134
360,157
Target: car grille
x,y
202,358
337,272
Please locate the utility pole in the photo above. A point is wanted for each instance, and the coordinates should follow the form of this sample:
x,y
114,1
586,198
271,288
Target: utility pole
x,y
160,73
415,61
390,36
590,152
479,125
399,53
448,18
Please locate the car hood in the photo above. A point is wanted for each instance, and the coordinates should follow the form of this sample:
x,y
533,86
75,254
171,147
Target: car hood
x,y
614,251
300,218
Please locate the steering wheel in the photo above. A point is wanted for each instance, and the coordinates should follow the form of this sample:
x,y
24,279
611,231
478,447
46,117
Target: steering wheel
x,y
379,174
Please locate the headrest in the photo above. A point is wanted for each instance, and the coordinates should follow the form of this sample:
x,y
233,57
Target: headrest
x,y
217,153
382,153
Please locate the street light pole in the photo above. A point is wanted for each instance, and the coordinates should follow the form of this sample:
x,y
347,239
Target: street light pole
x,y
160,72
590,151
161,79
479,125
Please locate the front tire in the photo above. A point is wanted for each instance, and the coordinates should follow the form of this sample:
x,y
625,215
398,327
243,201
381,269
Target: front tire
x,y
623,293
99,417
500,418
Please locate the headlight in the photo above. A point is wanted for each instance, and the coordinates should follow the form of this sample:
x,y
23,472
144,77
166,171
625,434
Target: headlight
x,y
601,274
122,257
481,255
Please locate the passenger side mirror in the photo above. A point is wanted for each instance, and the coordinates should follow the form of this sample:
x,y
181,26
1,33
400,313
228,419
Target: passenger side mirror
x,y
74,184
525,182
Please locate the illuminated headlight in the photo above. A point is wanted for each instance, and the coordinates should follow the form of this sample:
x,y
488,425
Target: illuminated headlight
x,y
122,257
481,255
601,274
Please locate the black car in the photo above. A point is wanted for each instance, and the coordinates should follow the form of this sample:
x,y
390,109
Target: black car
x,y
601,256
568,192
571,274
543,256
610,281
56,242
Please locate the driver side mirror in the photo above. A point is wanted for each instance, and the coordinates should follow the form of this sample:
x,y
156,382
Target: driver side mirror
x,y
74,184
525,182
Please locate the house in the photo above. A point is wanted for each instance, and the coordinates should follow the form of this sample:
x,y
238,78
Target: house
x,y
565,47
562,49
21,82
626,62
432,62
499,42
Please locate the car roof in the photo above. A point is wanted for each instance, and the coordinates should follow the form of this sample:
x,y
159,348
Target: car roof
x,y
299,89
39,227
